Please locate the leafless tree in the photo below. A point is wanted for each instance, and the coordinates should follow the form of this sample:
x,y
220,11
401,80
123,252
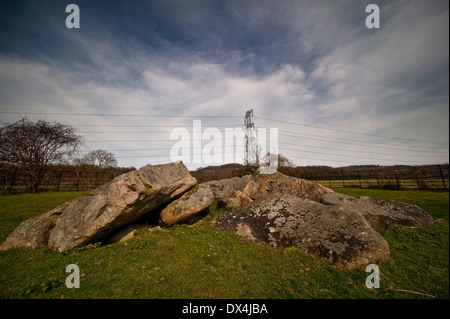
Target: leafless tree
x,y
283,161
34,146
99,158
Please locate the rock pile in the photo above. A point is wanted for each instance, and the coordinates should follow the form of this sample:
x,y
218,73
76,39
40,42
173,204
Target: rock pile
x,y
104,210
272,208
340,236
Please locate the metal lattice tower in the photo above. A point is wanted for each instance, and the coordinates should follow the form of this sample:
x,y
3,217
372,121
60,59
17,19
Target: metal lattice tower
x,y
249,134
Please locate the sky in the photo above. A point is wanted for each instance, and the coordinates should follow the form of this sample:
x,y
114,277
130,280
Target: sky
x,y
337,92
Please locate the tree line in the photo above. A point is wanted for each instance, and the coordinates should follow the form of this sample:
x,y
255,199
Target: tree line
x,y
37,148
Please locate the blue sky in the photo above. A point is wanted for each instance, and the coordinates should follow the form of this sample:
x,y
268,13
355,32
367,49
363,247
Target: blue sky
x,y
356,95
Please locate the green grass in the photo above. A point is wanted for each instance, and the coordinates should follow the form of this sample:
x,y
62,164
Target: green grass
x,y
406,184
203,262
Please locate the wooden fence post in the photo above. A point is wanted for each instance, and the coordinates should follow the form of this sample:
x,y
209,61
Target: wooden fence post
x,y
415,171
442,177
359,177
59,180
78,181
96,178
12,180
378,179
418,182
397,179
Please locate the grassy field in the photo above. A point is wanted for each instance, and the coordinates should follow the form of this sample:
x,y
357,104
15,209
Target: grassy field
x,y
203,262
390,184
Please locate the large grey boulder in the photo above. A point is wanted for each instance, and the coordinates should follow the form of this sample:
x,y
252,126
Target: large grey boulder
x,y
108,208
33,233
228,192
264,185
188,205
342,237
236,192
239,200
381,213
120,202
225,188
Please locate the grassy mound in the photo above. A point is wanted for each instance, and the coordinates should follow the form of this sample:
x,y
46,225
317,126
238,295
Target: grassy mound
x,y
201,261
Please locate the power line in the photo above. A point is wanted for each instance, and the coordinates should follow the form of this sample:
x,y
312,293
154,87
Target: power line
x,y
355,127
292,156
346,131
119,115
355,156
204,116
347,139
359,144
123,107
360,152
323,160
366,152
281,143
131,141
131,132
313,137
81,106
189,116
290,149
149,126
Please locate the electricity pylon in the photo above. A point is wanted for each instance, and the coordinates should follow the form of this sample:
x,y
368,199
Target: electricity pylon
x,y
249,134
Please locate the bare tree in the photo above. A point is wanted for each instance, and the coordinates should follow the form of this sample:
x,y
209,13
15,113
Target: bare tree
x,y
100,158
283,161
34,146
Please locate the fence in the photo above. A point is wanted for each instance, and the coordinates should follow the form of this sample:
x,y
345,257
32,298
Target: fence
x,y
420,177
15,180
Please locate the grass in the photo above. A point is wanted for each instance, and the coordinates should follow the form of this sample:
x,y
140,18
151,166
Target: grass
x,y
387,184
203,262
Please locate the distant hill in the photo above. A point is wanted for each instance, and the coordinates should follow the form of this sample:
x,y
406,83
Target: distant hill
x,y
211,173
221,167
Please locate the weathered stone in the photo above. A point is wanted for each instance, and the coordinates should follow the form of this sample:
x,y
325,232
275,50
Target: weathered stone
x,y
122,201
381,213
340,236
228,202
122,235
188,205
239,200
244,199
34,232
278,183
128,232
225,188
